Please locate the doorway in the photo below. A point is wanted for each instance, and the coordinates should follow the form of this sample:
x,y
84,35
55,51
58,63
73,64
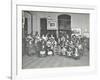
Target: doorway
x,y
43,26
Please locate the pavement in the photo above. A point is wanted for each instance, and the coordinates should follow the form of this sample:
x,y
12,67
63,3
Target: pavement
x,y
31,62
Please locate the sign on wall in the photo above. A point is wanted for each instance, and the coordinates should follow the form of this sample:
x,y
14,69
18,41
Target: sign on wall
x,y
51,24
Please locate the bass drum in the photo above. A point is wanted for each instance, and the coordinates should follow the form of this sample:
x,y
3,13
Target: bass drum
x,y
49,53
42,54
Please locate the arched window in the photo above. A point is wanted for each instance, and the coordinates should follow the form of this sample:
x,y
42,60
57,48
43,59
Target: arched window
x,y
64,22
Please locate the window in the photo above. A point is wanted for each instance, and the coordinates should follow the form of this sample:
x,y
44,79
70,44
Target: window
x,y
64,22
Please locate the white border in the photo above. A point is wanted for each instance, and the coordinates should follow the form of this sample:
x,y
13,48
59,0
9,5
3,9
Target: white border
x,y
18,73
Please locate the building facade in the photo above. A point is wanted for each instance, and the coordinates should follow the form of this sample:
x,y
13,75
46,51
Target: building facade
x,y
54,22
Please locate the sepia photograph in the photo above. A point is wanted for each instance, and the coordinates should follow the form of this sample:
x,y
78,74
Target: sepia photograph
x,y
55,39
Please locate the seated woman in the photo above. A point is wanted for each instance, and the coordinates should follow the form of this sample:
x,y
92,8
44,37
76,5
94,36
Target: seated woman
x,y
63,51
42,52
73,39
80,47
69,51
49,48
76,54
29,46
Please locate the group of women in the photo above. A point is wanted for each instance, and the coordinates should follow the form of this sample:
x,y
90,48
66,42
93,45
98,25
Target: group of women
x,y
47,45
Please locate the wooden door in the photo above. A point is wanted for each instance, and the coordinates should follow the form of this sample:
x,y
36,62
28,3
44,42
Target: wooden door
x,y
43,26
